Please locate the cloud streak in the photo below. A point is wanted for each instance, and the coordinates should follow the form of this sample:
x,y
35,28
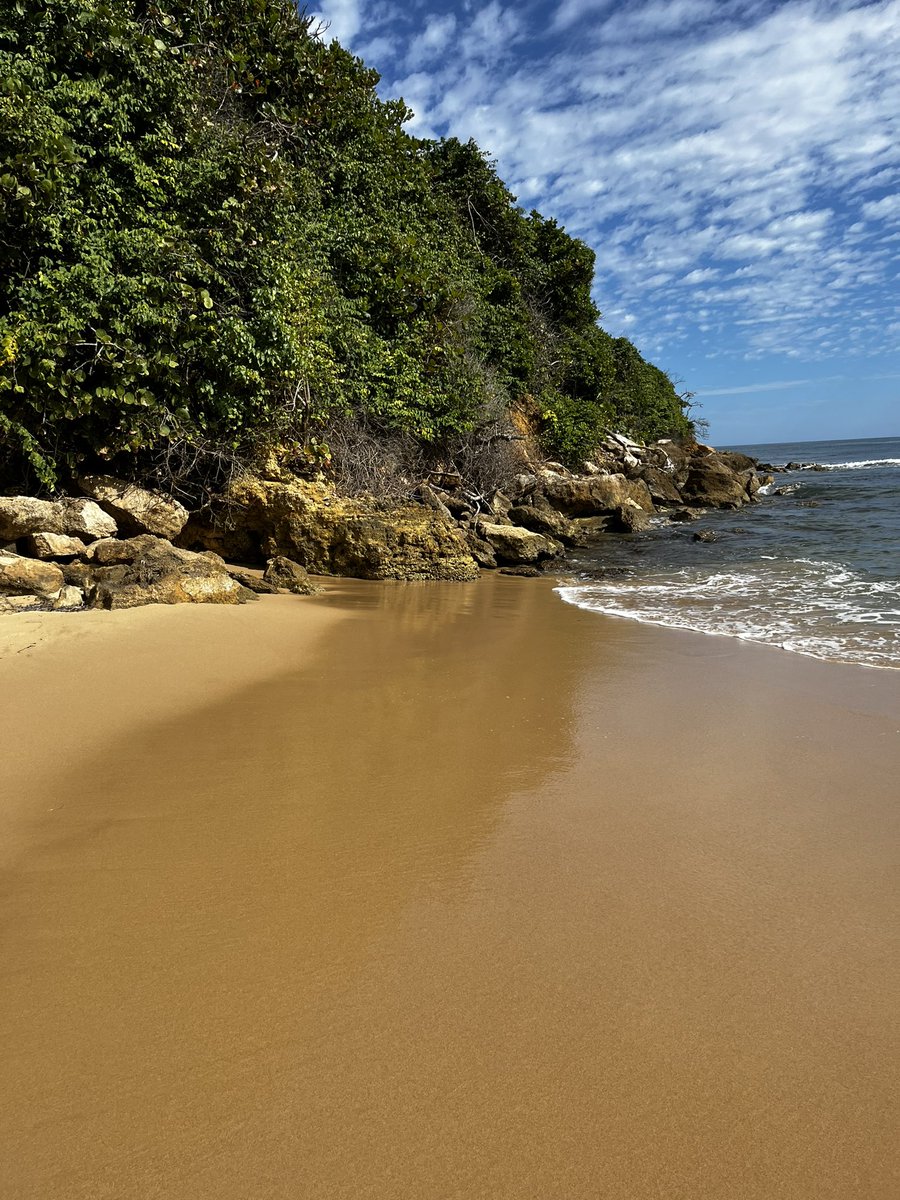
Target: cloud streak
x,y
734,163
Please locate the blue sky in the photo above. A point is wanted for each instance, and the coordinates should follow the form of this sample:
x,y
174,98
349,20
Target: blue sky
x,y
735,164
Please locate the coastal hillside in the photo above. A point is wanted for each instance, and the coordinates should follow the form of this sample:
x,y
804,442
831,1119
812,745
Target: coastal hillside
x,y
217,243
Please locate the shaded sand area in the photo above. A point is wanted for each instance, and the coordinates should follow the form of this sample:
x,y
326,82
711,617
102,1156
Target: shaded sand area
x,y
445,891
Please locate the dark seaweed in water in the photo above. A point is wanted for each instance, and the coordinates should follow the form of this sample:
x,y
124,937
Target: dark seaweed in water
x,y
816,570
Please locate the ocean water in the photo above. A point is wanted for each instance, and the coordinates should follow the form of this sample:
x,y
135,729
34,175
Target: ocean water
x,y
816,571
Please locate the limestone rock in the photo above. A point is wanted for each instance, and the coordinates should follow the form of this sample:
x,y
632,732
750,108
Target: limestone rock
x,y
711,481
513,545
481,551
543,518
22,515
255,583
591,496
86,519
284,573
629,518
149,570
331,535
53,545
136,509
29,576
69,599
661,486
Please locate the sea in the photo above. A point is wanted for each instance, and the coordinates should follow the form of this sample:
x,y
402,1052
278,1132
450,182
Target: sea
x,y
814,570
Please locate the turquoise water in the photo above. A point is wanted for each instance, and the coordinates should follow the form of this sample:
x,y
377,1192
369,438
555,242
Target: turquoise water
x,y
815,571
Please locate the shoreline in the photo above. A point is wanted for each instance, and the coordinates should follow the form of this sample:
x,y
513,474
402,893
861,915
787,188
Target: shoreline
x,y
462,889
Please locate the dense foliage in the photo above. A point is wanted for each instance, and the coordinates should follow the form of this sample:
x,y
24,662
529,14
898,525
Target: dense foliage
x,y
215,237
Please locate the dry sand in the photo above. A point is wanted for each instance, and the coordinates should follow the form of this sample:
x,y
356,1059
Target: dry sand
x,y
443,891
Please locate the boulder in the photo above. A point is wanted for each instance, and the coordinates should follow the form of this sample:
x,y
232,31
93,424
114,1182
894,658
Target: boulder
x,y
284,573
713,482
661,486
481,551
21,516
513,546
596,494
629,518
255,583
330,535
53,545
428,496
29,576
136,509
687,514
149,570
69,599
523,572
706,535
85,518
541,517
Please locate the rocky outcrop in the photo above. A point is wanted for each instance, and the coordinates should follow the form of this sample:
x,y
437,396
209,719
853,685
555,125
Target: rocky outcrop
x,y
329,535
135,509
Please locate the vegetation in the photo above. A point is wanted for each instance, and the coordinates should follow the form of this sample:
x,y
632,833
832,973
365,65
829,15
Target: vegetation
x,y
215,240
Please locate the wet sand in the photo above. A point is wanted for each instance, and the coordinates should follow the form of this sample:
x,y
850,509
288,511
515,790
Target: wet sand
x,y
445,891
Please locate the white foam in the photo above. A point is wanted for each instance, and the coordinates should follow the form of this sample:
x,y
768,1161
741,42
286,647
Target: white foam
x,y
859,465
815,608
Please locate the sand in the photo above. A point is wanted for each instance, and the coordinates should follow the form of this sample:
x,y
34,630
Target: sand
x,y
444,891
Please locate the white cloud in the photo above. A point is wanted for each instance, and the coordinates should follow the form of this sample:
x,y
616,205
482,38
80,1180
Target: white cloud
x,y
727,155
343,18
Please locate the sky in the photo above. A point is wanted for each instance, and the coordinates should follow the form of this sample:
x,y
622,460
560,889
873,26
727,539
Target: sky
x,y
734,164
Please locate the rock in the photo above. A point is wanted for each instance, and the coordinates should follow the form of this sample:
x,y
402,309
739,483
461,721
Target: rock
x,y
500,504
737,462
87,520
481,551
686,514
522,572
429,497
149,570
284,573
543,518
69,599
713,482
591,496
136,509
706,535
29,576
171,589
523,487
331,535
254,583
53,545
21,516
629,518
513,545
661,486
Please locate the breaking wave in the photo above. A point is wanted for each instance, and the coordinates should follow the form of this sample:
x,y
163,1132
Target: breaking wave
x,y
821,609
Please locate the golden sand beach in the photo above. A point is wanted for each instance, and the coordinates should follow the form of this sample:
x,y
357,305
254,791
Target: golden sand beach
x,y
414,891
